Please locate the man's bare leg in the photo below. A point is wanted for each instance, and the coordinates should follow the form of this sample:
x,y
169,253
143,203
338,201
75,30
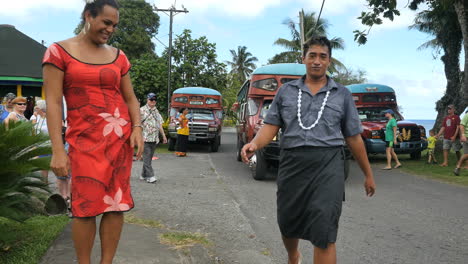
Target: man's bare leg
x,y
325,256
445,163
292,247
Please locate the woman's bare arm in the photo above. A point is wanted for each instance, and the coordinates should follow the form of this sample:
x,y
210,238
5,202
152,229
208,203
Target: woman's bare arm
x,y
136,139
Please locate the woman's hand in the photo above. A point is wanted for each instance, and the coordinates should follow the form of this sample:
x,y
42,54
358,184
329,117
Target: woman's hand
x,y
60,164
136,139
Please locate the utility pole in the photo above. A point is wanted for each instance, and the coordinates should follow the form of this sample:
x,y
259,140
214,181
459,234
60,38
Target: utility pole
x,y
172,12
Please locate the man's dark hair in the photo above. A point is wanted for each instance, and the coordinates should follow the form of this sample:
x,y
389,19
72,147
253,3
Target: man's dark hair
x,y
95,8
317,40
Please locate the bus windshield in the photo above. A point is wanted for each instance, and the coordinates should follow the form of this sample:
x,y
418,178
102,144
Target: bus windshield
x,y
375,114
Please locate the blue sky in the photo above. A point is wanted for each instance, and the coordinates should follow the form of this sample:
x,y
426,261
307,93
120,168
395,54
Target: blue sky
x,y
390,57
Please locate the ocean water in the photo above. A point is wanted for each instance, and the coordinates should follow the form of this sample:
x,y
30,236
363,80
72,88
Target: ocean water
x,y
427,124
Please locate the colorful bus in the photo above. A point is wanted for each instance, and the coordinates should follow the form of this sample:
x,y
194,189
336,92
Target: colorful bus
x,y
205,115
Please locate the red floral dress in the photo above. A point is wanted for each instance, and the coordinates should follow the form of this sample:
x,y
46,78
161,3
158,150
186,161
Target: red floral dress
x,y
98,133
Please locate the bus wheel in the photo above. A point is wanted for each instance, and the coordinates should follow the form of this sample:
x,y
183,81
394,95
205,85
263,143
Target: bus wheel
x,y
171,145
259,166
215,144
239,148
415,155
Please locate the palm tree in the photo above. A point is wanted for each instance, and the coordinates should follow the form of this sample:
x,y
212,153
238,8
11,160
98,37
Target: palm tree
x,y
441,22
242,63
21,189
312,27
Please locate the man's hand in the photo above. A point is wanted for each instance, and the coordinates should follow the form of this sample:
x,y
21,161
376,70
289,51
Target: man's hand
x,y
164,140
247,151
453,138
463,139
136,139
369,186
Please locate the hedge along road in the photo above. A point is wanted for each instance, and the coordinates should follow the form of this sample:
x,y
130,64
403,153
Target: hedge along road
x,y
409,220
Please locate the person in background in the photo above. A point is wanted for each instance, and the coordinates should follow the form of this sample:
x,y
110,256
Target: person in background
x,y
40,127
29,107
463,136
182,133
33,118
450,130
391,139
152,127
431,142
103,127
7,106
18,111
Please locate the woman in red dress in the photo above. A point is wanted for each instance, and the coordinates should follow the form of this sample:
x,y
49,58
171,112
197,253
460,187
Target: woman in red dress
x,y
103,127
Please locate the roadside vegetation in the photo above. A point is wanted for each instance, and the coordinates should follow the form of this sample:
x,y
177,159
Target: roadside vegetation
x,y
430,171
26,242
26,232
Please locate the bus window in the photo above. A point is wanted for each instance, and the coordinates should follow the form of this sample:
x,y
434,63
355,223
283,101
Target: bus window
x,y
389,98
371,98
181,99
210,100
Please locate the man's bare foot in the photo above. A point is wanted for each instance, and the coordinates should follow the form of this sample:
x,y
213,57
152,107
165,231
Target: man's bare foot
x,y
443,165
297,259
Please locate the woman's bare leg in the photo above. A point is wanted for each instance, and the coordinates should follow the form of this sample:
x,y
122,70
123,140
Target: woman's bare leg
x,y
83,233
110,230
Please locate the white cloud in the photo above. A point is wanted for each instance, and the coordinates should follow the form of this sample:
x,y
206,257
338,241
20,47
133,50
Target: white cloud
x,y
417,97
24,8
244,8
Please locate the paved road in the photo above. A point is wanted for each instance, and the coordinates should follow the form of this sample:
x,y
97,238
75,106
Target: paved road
x,y
410,220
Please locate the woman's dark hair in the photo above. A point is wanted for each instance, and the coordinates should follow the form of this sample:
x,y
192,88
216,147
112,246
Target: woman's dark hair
x,y
182,109
320,41
95,8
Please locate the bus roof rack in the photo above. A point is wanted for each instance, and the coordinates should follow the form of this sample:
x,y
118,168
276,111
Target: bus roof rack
x,y
369,88
282,69
197,90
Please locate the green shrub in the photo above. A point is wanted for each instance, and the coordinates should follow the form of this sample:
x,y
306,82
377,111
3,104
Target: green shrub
x,y
22,192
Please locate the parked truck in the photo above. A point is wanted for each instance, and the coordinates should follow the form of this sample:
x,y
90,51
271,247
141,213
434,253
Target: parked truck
x,y
371,100
205,116
253,101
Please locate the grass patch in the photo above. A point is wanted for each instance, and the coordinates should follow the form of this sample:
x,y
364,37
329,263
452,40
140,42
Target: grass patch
x,y
27,242
132,219
266,252
431,171
183,239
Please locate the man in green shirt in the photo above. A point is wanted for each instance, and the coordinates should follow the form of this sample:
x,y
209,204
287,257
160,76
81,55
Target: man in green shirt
x,y
463,135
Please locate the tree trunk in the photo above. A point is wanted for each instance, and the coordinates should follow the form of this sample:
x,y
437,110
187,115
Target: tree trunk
x,y
461,7
451,62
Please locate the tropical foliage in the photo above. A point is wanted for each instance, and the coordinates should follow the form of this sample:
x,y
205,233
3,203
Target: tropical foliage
x,y
137,27
21,189
441,22
195,63
346,76
242,64
379,10
312,27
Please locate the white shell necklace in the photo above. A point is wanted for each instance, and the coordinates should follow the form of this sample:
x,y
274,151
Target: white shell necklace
x,y
324,103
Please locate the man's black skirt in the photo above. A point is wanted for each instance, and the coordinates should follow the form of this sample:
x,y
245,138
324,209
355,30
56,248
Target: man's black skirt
x,y
310,193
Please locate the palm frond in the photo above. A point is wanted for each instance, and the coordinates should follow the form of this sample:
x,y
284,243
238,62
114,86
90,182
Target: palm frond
x,y
21,188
